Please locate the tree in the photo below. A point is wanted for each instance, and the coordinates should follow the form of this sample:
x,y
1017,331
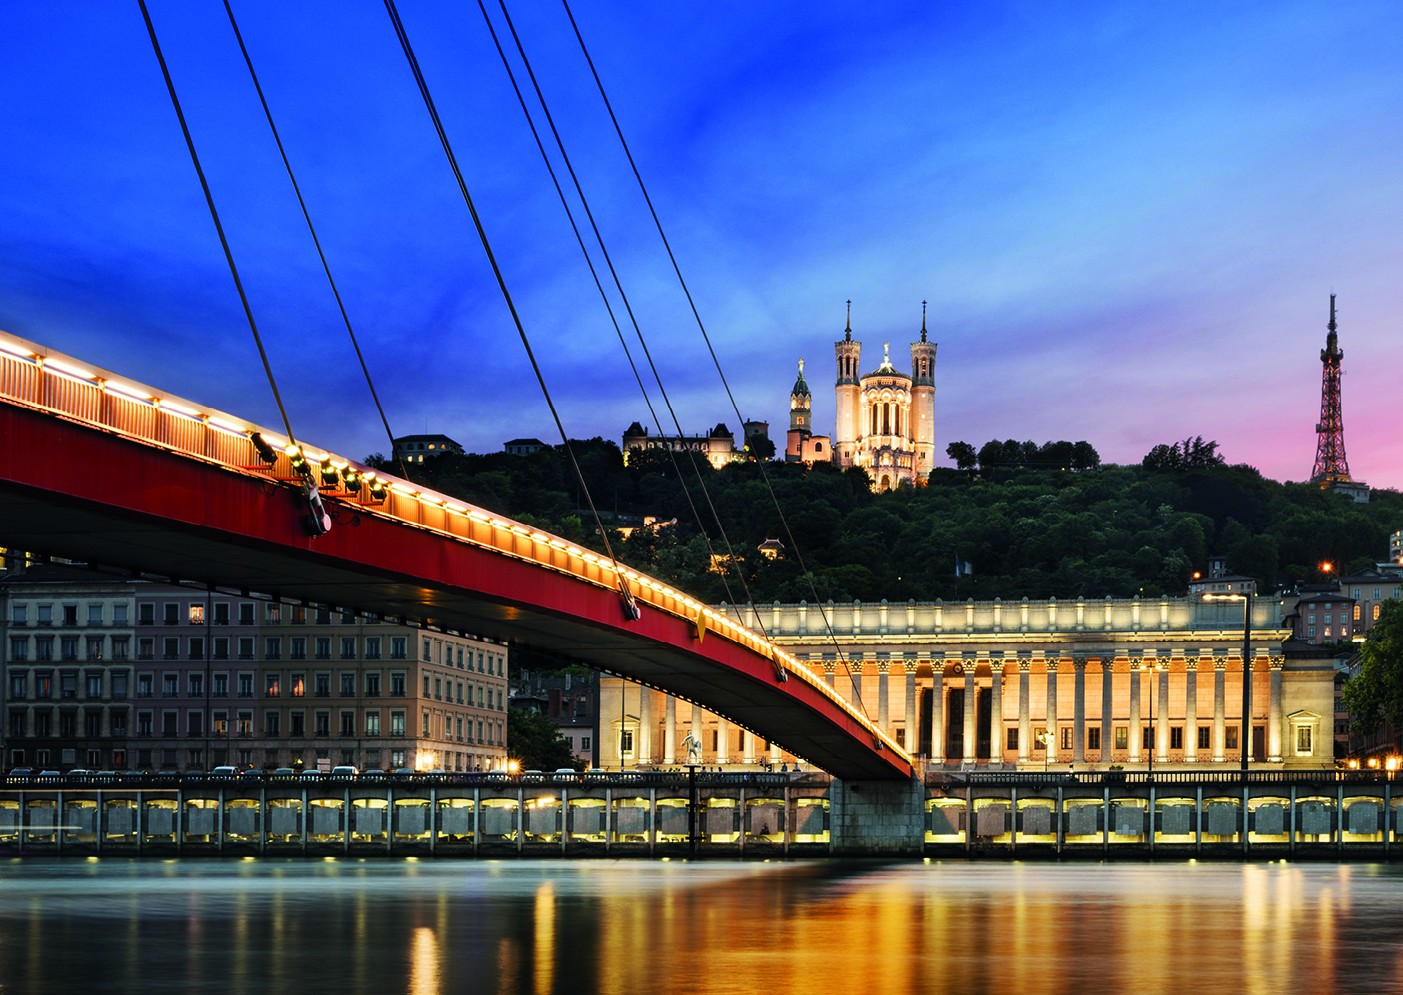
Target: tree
x,y
963,455
1374,695
534,741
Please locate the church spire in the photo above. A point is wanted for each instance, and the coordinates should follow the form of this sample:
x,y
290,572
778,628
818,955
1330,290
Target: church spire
x,y
923,321
848,332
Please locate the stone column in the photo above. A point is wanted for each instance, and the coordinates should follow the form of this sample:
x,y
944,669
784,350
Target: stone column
x,y
1220,666
1274,711
696,730
1108,674
1161,733
1136,675
669,730
1191,706
883,707
645,726
970,731
996,708
748,745
774,754
937,711
723,741
1079,710
1025,721
912,737
830,670
855,678
1052,663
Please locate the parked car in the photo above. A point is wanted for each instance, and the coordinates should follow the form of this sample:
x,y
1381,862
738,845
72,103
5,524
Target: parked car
x,y
344,772
224,773
251,775
375,774
19,775
283,774
404,774
310,774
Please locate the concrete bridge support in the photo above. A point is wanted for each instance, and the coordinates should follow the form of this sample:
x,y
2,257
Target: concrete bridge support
x,y
876,818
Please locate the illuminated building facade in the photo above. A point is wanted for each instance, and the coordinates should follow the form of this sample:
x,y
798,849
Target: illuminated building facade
x,y
111,673
1024,685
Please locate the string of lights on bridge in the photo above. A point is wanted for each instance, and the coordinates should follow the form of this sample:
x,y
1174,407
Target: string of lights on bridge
x,y
370,490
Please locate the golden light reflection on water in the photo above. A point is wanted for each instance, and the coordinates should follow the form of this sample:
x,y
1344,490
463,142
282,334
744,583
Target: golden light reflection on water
x,y
423,962
543,920
714,926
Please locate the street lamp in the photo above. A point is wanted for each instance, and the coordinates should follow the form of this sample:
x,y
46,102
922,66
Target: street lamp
x,y
1246,732
1046,738
1153,668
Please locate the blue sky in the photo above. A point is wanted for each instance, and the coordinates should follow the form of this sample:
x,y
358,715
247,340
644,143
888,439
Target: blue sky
x,y
1127,217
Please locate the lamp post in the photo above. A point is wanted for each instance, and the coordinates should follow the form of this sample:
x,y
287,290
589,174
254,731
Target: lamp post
x,y
1046,738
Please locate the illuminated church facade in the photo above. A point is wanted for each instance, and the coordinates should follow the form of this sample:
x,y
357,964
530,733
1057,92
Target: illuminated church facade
x,y
885,419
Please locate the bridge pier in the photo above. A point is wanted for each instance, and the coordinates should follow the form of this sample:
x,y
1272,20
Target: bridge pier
x,y
876,818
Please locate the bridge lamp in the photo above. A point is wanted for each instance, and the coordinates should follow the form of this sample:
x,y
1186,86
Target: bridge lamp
x,y
351,479
1246,731
330,478
265,452
295,457
378,491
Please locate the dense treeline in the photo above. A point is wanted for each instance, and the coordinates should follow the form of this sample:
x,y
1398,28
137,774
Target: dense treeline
x,y
1024,530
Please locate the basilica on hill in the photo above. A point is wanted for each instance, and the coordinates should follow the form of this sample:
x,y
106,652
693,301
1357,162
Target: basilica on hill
x,y
885,419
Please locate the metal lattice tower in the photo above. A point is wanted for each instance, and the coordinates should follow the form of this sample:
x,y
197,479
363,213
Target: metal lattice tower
x,y
1331,467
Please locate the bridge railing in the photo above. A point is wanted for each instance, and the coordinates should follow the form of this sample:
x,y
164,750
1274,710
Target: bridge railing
x,y
34,377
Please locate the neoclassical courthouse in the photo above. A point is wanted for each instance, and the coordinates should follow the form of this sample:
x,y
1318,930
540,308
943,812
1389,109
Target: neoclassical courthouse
x,y
1027,684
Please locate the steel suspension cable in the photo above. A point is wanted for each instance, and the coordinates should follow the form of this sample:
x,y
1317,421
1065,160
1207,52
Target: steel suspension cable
x,y
589,262
218,226
628,307
630,606
677,269
316,240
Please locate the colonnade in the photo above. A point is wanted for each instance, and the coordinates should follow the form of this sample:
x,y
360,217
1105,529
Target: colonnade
x,y
1152,707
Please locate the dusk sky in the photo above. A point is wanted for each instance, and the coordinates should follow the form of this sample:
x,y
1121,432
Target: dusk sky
x,y
1127,217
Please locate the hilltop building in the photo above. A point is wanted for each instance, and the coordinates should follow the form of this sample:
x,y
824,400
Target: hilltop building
x,y
885,419
416,448
718,447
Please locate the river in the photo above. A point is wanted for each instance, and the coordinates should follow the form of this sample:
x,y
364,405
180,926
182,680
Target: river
x,y
637,926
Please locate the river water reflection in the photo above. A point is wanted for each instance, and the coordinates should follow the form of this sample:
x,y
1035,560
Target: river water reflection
x,y
658,926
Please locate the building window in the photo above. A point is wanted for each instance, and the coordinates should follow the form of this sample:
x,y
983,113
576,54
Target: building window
x,y
1358,612
243,724
170,613
270,722
427,647
1176,737
348,723
397,724
221,648
19,648
322,685
626,742
221,685
372,647
1230,738
397,684
197,614
221,613
323,647
372,723
425,733
19,686
246,648
1205,734
321,724
245,613
94,685
1375,612
399,648
44,648
348,647
297,648
1303,740
1093,738
297,685
297,724
197,685
197,648
121,647
1122,737
372,684
273,685
348,684
245,685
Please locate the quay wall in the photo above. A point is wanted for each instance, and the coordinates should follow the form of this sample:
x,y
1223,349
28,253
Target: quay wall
x,y
1264,815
